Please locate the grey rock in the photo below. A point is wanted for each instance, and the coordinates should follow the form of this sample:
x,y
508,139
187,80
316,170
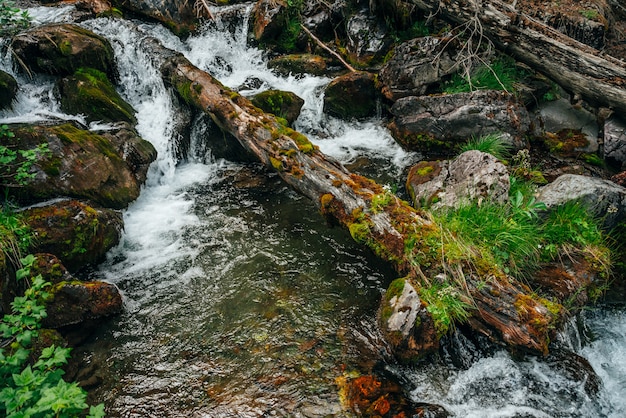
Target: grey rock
x,y
405,308
615,140
559,114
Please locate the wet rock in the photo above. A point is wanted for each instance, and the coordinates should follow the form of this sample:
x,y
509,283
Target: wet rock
x,y
472,176
413,68
134,150
178,15
50,268
603,197
79,164
438,124
615,141
569,130
8,90
575,368
78,234
371,396
318,18
298,64
406,324
268,19
353,95
74,302
89,92
367,38
284,104
61,49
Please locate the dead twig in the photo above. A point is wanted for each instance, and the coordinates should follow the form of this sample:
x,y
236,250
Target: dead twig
x,y
333,53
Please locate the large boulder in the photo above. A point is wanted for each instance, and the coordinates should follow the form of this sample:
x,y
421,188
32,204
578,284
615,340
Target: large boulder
x,y
413,69
79,164
75,232
61,49
177,15
604,198
615,141
8,90
89,92
472,176
284,104
268,19
439,123
353,95
367,38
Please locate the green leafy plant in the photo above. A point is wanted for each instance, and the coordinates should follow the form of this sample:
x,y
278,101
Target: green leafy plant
x,y
447,306
12,19
36,390
492,144
16,164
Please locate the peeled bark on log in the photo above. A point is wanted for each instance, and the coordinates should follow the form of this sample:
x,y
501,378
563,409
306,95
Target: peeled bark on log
x,y
396,232
599,79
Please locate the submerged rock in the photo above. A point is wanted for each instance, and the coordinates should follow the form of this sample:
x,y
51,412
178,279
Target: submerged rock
x,y
353,95
89,92
472,176
8,90
75,232
604,198
438,124
78,163
63,48
284,104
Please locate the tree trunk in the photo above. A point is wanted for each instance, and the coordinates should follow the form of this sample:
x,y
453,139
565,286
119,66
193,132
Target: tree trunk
x,y
599,79
503,308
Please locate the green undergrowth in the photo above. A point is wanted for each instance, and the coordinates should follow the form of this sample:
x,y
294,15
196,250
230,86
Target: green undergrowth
x,y
501,74
492,144
446,304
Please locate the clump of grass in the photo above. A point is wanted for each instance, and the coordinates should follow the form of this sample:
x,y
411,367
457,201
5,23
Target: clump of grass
x,y
501,74
15,236
447,306
492,144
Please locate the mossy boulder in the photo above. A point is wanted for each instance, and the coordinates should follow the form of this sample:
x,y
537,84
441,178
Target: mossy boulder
x,y
299,64
78,163
78,234
353,95
63,48
8,90
74,302
89,92
284,104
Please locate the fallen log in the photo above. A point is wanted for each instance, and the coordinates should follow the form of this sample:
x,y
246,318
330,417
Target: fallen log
x,y
599,79
420,250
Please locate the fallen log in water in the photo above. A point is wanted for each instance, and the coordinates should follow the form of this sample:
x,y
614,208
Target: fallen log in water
x,y
597,78
418,248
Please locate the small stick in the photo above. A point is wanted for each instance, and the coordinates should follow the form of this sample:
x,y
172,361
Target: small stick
x,y
320,43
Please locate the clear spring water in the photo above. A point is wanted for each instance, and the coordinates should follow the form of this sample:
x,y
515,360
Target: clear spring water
x,y
241,302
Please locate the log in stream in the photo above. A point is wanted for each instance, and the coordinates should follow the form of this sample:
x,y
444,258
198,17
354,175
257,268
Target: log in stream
x,y
502,307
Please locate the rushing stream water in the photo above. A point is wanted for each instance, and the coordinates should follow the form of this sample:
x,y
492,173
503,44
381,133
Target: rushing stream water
x,y
241,302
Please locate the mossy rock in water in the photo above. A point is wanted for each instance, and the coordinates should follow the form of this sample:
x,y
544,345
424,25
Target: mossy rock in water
x,y
350,96
61,49
299,64
79,164
78,234
283,104
8,89
89,92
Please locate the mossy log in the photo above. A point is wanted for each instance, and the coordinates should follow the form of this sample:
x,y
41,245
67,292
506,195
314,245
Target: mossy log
x,y
502,307
581,69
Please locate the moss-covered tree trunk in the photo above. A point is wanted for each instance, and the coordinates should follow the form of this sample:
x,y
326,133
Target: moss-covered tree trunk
x,y
419,250
598,78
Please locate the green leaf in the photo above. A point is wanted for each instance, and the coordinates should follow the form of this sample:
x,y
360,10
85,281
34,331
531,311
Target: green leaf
x,y
96,411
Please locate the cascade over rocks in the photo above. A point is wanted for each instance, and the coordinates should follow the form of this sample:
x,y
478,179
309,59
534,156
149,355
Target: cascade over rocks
x,y
472,176
442,122
8,90
63,48
79,164
353,95
77,233
604,198
415,66
505,309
